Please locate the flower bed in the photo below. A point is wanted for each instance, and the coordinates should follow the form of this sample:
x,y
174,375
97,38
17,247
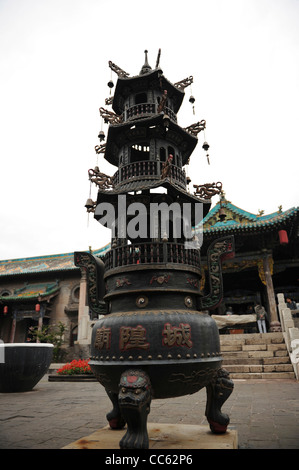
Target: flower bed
x,y
75,367
75,371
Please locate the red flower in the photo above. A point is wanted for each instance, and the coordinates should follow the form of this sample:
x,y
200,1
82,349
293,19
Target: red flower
x,y
80,366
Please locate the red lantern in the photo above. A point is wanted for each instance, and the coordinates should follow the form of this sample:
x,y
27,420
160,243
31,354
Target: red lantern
x,y
283,237
37,307
5,310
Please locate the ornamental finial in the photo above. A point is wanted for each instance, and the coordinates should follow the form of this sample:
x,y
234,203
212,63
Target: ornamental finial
x,y
146,67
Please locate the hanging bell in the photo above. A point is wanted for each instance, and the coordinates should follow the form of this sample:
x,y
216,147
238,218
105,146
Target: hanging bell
x,y
110,84
191,99
166,121
205,146
101,136
89,205
222,214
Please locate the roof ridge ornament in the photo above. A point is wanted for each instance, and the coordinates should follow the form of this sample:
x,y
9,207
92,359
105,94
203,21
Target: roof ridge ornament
x,y
158,58
146,67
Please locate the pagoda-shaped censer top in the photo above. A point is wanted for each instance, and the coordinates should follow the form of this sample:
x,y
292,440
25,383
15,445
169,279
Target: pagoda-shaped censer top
x,y
155,338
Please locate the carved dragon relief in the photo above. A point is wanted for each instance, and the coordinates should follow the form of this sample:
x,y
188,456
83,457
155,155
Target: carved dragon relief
x,y
181,85
197,127
206,191
120,72
110,117
218,251
100,148
94,268
100,179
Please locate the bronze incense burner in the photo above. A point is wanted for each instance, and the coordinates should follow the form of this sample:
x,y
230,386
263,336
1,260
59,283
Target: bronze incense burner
x,y
155,337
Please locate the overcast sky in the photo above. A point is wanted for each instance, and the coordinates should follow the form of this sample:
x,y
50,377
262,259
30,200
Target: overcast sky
x,y
243,55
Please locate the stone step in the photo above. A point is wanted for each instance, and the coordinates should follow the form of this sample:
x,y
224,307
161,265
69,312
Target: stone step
x,y
263,375
254,347
257,368
255,360
256,356
247,354
253,338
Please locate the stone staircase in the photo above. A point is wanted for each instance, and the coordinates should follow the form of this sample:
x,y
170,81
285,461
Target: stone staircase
x,y
256,356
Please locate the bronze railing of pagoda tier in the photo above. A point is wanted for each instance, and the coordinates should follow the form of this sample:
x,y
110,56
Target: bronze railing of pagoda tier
x,y
144,110
151,253
151,169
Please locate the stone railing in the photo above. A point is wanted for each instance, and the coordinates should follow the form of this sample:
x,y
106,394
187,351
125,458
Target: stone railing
x,y
151,253
149,169
290,333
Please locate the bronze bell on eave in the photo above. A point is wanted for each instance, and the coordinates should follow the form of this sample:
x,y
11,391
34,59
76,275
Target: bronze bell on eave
x,y
89,204
166,121
101,136
222,214
205,146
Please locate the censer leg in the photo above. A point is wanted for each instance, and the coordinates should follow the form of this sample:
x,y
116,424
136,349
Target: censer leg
x,y
114,417
218,391
134,400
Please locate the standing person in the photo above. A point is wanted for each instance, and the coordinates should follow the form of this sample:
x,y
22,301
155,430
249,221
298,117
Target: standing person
x,y
261,316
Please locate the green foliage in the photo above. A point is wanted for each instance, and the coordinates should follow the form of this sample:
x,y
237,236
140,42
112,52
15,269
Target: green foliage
x,y
50,334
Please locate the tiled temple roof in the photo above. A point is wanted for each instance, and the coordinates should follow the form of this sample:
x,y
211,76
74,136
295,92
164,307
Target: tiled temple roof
x,y
33,292
39,264
238,220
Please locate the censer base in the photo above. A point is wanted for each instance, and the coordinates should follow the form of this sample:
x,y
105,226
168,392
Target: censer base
x,y
163,436
167,379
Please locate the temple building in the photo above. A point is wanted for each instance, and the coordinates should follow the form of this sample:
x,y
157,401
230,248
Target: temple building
x,y
266,257
40,291
47,289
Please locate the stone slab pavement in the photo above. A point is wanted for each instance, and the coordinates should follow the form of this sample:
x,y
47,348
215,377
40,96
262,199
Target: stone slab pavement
x,y
55,414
